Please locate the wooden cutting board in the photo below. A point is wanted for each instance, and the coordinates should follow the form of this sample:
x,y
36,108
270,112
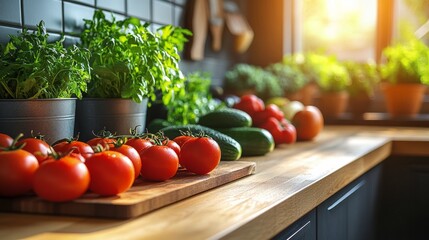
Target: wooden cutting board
x,y
142,198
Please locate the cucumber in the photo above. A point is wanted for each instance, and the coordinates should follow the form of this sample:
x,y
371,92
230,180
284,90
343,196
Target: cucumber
x,y
157,124
230,149
226,118
253,141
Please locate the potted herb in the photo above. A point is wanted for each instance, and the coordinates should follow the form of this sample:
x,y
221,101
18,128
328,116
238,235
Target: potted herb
x,y
364,78
307,63
333,81
245,79
39,81
405,76
130,65
290,79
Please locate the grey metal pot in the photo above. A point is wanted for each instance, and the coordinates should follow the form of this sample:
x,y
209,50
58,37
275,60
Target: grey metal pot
x,y
115,115
53,118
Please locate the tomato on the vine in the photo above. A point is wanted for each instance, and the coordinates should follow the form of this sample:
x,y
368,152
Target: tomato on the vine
x,y
106,143
139,144
74,146
200,155
182,139
132,154
39,148
62,179
17,168
173,145
159,163
5,140
111,173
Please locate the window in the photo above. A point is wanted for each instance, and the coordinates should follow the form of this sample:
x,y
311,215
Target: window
x,y
346,29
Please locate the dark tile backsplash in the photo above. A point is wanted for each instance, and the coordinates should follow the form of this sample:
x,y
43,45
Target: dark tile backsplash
x,y
66,17
10,11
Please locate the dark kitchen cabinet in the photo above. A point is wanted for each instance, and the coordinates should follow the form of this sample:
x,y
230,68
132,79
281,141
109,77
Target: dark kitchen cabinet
x,y
405,196
351,213
303,229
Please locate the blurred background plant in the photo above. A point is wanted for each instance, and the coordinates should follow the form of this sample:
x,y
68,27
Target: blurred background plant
x,y
192,101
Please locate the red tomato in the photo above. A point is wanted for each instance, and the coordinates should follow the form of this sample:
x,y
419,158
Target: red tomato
x,y
39,148
5,140
106,143
173,145
250,104
139,144
78,147
111,173
180,140
132,154
271,110
200,155
308,123
61,180
17,168
159,163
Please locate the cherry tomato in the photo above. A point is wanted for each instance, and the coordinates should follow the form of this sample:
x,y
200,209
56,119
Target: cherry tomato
x,y
132,154
111,173
200,155
61,180
308,123
106,143
77,146
182,139
17,168
139,144
5,140
39,148
159,163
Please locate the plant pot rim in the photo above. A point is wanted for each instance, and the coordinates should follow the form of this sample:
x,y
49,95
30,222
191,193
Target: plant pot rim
x,y
37,99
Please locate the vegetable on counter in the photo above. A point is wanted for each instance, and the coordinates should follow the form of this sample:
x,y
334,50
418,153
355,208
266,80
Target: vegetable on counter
x,y
253,141
230,148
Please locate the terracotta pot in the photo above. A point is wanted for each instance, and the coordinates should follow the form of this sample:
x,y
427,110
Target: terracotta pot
x,y
308,93
359,104
333,104
295,96
403,99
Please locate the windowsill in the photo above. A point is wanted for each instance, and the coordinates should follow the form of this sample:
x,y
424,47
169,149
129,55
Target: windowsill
x,y
380,119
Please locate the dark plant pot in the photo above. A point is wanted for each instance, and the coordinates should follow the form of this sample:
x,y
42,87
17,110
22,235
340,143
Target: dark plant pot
x,y
53,118
116,115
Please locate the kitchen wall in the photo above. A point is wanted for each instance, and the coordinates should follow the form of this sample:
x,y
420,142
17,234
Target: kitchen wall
x,y
65,17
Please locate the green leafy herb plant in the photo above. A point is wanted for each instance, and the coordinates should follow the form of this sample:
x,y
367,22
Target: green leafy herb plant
x,y
289,77
129,61
33,68
245,78
364,78
192,101
406,63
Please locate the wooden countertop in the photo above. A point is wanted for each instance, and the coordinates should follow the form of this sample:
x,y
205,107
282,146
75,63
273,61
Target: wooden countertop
x,y
288,183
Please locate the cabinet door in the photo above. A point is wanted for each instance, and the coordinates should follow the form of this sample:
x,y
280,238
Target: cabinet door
x,y
350,214
303,229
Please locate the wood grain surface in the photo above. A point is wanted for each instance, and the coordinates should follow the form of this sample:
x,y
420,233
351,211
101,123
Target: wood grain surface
x,y
288,182
143,197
